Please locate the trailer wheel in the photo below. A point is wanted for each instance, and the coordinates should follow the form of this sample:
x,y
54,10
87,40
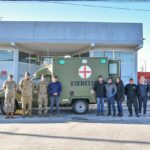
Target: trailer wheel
x,y
80,106
2,107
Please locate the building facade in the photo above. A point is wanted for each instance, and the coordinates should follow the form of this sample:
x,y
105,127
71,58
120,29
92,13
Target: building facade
x,y
27,46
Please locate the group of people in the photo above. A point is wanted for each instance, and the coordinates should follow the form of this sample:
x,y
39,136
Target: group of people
x,y
26,87
137,96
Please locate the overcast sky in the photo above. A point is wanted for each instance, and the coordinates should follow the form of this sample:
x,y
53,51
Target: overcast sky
x,y
92,11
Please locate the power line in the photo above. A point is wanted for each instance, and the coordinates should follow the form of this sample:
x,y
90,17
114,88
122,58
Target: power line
x,y
85,0
100,6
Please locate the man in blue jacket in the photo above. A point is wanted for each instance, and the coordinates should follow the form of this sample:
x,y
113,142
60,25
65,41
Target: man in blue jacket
x,y
111,91
54,90
143,90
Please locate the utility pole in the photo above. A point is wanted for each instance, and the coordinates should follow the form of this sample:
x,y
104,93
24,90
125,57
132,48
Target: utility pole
x,y
145,65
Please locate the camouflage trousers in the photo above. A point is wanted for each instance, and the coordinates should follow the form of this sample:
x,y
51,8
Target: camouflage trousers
x,y
26,101
43,101
9,103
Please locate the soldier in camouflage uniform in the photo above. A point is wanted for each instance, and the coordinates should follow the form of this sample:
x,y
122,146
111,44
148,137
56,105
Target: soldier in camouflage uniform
x,y
42,95
9,87
26,87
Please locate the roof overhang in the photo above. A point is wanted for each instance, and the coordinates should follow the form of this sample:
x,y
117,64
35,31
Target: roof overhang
x,y
60,38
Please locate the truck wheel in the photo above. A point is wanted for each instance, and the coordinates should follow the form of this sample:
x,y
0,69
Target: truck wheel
x,y
80,106
2,107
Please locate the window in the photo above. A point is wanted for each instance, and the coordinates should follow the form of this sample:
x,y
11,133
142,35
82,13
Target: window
x,y
76,56
98,54
108,54
6,55
126,57
113,68
85,54
23,57
82,55
127,64
33,59
127,70
46,60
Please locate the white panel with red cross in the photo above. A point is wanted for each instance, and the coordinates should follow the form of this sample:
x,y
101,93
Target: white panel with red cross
x,y
84,72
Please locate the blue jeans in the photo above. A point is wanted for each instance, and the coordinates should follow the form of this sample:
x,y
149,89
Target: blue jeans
x,y
142,101
52,102
119,105
111,104
100,105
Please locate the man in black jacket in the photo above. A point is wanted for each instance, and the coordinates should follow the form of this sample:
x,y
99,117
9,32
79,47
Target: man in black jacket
x,y
131,92
99,88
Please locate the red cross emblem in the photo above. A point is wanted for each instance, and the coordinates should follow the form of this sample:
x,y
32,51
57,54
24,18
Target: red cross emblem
x,y
84,72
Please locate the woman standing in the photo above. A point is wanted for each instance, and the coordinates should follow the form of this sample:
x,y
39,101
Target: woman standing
x,y
119,95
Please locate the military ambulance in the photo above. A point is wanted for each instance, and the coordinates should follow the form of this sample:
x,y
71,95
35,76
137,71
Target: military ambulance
x,y
77,75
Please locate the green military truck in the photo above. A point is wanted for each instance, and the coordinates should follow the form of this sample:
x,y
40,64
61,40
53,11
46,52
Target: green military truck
x,y
77,75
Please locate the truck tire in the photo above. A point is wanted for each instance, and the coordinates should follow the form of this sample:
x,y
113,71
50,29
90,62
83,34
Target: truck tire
x,y
80,106
3,109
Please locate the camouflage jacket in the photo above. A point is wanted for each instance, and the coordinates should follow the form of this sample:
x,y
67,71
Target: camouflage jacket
x,y
42,87
26,87
9,87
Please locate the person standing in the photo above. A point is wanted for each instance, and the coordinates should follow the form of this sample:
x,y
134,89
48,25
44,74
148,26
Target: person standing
x,y
143,90
54,90
26,87
119,95
131,92
110,94
100,91
9,87
42,96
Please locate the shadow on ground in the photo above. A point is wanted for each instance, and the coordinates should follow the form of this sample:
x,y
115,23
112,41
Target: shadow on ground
x,y
77,138
67,116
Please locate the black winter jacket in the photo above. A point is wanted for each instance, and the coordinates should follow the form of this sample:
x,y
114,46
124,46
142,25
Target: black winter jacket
x,y
143,90
131,91
99,89
120,91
